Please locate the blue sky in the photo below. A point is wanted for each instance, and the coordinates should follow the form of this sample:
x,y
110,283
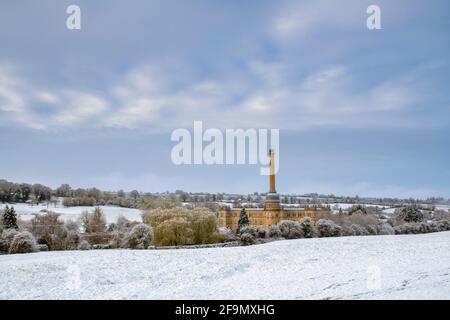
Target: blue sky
x,y
359,111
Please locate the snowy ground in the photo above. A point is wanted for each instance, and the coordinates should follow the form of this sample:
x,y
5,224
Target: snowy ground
x,y
372,267
27,211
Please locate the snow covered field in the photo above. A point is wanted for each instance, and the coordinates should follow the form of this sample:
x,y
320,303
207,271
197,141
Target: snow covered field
x,y
372,267
26,211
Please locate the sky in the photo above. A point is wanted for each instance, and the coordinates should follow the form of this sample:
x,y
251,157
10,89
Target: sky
x,y
360,112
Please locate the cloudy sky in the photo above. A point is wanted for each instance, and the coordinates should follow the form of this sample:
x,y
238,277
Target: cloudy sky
x,y
359,111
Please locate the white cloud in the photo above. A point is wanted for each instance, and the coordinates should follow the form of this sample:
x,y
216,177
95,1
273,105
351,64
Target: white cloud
x,y
299,19
46,97
80,106
258,95
134,113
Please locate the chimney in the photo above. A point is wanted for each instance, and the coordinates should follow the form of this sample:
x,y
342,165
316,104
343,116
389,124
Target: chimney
x,y
272,171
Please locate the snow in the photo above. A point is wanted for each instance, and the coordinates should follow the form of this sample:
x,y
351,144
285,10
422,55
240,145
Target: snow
x,y
26,211
345,206
370,267
442,207
389,210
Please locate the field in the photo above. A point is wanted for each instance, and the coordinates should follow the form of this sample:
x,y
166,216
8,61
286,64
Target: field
x,y
370,267
26,211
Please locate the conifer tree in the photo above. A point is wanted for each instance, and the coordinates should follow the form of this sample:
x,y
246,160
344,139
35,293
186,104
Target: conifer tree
x,y
243,220
9,218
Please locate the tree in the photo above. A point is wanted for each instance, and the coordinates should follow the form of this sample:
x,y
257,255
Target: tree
x,y
179,226
243,220
290,229
41,193
94,222
49,229
327,228
140,237
184,197
358,209
307,227
411,214
9,218
134,194
64,191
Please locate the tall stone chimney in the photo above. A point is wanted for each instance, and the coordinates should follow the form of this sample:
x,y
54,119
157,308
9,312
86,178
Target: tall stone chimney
x,y
272,171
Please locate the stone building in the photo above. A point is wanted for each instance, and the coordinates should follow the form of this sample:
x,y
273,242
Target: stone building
x,y
273,212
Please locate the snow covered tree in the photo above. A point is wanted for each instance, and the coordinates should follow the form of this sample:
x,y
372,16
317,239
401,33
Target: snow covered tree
x,y
140,237
327,228
94,222
444,225
23,242
358,209
411,214
290,229
307,227
49,229
385,229
249,229
357,230
247,235
247,238
9,218
243,220
274,232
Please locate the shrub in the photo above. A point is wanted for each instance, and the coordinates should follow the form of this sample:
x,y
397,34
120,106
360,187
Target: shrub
x,y
372,229
119,231
53,232
116,240
307,227
65,239
123,224
227,233
247,238
3,245
274,232
412,228
140,237
357,230
218,237
434,226
261,232
84,245
385,229
249,229
444,225
23,242
7,236
290,229
327,228
441,215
